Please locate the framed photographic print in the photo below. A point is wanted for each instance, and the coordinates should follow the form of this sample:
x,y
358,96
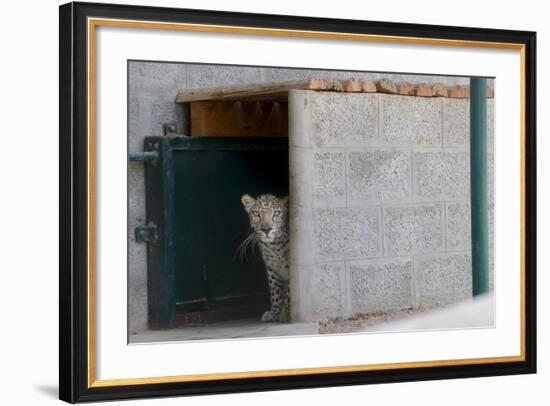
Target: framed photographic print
x,y
258,202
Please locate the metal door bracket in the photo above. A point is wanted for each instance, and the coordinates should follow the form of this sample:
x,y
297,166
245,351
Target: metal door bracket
x,y
146,233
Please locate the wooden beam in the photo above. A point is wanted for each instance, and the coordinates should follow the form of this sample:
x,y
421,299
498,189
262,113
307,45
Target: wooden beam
x,y
246,119
272,91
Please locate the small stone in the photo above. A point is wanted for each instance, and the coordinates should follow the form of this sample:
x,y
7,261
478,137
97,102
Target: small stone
x,y
352,85
424,90
317,83
368,86
406,88
458,92
490,92
386,86
467,92
335,85
439,90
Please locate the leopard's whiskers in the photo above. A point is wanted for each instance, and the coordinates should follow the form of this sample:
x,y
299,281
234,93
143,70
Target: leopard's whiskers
x,y
249,241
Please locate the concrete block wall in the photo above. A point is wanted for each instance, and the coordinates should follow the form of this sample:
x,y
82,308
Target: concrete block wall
x,y
152,88
379,202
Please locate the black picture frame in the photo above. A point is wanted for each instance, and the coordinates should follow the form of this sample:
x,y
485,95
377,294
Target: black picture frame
x,y
74,384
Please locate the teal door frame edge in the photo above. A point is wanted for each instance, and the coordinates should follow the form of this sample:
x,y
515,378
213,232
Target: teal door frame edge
x,y
159,200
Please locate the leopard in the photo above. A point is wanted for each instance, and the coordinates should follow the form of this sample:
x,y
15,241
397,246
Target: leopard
x,y
268,217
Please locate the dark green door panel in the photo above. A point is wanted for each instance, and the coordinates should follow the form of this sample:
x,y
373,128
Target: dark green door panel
x,y
208,221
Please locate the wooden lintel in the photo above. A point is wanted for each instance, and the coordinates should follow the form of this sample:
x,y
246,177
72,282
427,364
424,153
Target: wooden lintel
x,y
272,91
239,119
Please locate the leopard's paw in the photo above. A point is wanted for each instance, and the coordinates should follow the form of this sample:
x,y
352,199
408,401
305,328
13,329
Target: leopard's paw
x,y
270,316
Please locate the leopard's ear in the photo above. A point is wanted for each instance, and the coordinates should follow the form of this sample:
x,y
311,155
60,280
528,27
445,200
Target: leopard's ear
x,y
284,200
248,201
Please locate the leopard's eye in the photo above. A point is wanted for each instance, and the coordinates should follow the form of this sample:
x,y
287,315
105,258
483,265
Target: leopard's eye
x,y
255,212
277,212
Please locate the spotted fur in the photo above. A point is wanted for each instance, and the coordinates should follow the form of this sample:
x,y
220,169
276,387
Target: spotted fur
x,y
268,217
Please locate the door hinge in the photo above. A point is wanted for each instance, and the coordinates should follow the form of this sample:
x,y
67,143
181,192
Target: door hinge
x,y
146,233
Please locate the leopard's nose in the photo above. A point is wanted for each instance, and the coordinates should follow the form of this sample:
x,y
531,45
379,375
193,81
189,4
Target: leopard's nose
x,y
266,229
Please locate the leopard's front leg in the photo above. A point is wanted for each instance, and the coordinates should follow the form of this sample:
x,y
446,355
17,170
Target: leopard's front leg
x,y
278,292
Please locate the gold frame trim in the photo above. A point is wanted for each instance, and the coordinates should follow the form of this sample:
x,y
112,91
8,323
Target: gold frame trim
x,y
94,22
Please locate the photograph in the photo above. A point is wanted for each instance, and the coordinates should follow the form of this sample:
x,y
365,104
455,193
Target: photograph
x,y
270,201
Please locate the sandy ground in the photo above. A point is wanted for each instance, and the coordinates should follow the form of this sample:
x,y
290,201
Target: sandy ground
x,y
360,322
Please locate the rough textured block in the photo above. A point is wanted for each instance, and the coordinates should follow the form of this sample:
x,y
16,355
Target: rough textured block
x,y
300,127
217,75
302,295
456,126
137,306
147,114
139,120
380,285
378,175
137,280
329,177
411,120
300,179
416,79
490,124
441,175
344,119
412,229
157,79
458,226
491,224
136,193
330,290
347,233
278,74
490,177
444,279
302,249
491,270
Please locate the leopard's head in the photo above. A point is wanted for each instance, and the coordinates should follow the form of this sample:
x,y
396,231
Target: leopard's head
x,y
268,216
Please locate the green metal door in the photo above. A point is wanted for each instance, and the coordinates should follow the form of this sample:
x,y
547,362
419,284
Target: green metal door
x,y
194,188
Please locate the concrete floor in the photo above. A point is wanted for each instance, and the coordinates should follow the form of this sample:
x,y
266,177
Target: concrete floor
x,y
226,330
476,313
